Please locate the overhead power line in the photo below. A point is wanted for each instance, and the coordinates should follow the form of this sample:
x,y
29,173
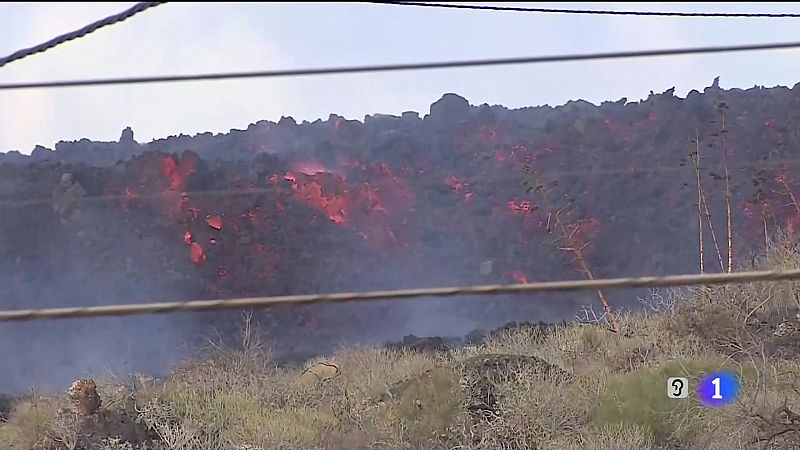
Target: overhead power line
x,y
262,302
399,67
585,11
92,27
469,181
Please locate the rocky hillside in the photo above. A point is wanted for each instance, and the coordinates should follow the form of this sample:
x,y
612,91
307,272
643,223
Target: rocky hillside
x,y
466,194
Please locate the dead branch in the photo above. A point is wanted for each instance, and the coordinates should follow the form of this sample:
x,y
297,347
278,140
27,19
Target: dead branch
x,y
729,219
696,159
790,194
711,229
782,421
567,236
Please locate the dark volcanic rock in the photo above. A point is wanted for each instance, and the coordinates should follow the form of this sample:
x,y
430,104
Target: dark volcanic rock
x,y
423,344
395,202
6,406
451,108
127,137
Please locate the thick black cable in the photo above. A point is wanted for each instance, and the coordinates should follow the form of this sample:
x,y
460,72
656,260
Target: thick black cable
x,y
397,67
92,27
585,11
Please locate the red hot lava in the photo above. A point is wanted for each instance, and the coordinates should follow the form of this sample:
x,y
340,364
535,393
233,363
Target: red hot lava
x,y
379,202
214,221
196,253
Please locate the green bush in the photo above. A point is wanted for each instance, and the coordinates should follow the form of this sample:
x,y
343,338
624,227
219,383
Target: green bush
x,y
430,406
640,398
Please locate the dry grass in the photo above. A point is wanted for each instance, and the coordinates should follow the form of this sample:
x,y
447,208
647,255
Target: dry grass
x,y
572,386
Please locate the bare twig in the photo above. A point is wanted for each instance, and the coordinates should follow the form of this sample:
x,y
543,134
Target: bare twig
x,y
696,159
789,192
588,316
729,219
769,297
711,229
568,237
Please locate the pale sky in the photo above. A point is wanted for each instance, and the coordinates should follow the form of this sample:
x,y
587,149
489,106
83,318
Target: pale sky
x,y
215,37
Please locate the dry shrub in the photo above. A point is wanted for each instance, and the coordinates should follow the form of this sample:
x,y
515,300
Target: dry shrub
x,y
611,437
42,423
517,341
244,365
426,411
194,416
739,319
533,411
232,397
571,386
363,401
767,409
52,422
229,403
236,397
782,252
643,341
369,372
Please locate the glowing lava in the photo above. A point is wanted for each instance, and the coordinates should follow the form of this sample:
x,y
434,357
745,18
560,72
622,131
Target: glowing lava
x,y
214,222
196,253
518,276
309,190
308,167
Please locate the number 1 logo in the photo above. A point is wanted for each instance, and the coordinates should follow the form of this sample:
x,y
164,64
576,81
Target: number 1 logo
x,y
718,388
717,392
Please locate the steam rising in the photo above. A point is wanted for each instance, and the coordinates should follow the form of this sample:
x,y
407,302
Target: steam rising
x,y
50,354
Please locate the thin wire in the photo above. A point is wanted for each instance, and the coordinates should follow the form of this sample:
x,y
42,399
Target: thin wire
x,y
468,182
398,67
584,11
88,29
262,302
